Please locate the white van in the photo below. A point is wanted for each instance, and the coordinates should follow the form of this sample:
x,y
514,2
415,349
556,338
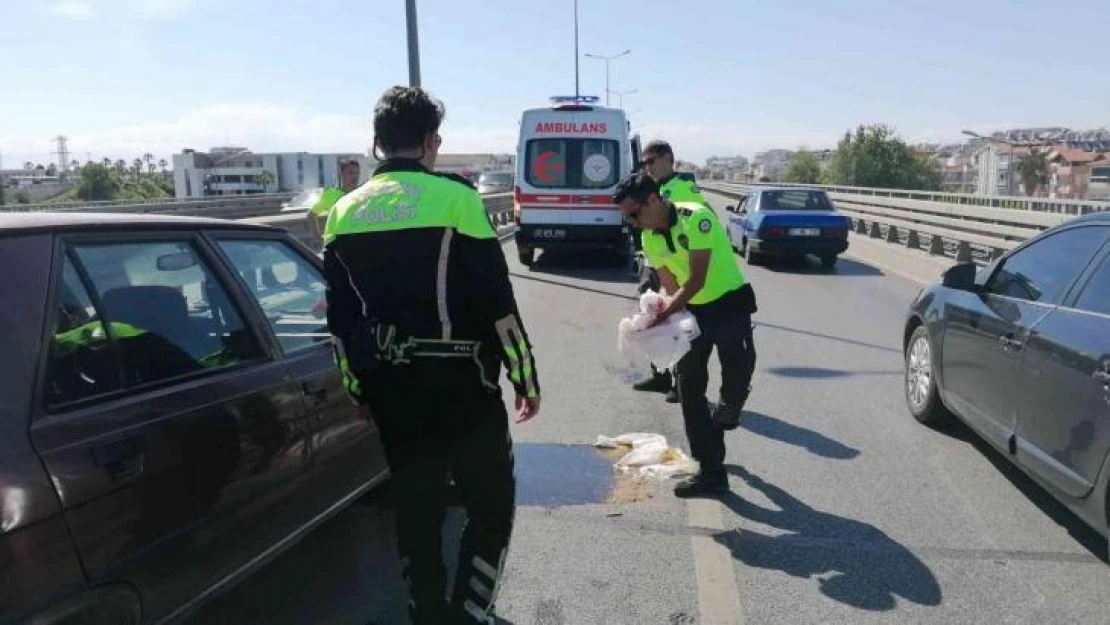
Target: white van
x,y
570,157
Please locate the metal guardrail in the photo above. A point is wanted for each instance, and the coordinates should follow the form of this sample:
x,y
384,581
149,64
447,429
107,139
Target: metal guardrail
x,y
969,233
159,205
498,205
1033,204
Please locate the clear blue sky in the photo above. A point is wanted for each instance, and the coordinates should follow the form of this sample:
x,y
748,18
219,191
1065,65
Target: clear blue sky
x,y
120,77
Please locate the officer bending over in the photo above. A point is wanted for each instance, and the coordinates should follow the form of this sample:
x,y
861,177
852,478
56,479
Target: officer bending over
x,y
688,246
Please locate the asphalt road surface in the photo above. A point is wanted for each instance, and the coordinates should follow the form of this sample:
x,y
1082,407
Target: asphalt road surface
x,y
844,509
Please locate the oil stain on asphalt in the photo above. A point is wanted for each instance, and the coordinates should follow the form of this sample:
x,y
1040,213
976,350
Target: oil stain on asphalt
x,y
553,475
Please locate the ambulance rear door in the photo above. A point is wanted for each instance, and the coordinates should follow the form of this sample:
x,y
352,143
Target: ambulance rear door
x,y
570,161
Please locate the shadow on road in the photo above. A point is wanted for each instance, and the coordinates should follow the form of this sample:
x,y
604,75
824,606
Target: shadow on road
x,y
810,440
853,562
1086,536
831,337
594,265
568,285
818,373
810,265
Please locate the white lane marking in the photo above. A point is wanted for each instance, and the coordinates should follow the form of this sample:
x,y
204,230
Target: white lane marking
x,y
718,591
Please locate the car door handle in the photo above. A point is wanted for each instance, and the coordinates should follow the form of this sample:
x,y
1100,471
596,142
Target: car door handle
x,y
121,458
1009,343
318,394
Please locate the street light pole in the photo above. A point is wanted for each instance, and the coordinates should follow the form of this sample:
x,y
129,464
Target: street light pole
x,y
576,90
621,94
414,43
607,59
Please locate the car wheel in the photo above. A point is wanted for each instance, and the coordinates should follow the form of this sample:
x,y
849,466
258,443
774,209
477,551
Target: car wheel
x,y
922,396
752,257
828,261
527,256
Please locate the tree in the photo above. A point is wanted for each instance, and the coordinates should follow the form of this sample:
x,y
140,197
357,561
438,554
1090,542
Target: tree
x,y
875,157
3,195
265,179
22,198
148,158
107,162
1033,171
28,165
803,168
163,164
137,167
121,167
98,183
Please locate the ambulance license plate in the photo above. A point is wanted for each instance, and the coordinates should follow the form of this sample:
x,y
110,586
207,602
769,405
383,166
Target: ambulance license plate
x,y
805,232
550,233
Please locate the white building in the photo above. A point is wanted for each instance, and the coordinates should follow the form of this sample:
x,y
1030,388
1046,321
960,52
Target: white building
x,y
238,171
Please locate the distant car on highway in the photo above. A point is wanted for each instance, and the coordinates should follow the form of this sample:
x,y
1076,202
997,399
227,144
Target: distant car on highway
x,y
1020,351
303,201
787,222
495,182
172,417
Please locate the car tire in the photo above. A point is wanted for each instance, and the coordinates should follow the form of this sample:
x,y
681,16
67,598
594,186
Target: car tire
x,y
920,381
828,261
527,256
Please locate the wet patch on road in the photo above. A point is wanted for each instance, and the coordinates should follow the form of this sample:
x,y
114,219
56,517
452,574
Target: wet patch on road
x,y
552,475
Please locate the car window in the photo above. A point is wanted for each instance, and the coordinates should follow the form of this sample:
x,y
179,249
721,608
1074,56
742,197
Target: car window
x,y
80,360
1043,271
289,289
795,200
501,178
572,163
1096,295
166,311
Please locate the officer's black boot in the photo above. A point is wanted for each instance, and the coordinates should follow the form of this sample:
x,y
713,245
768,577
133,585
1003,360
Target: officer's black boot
x,y
672,396
727,416
659,382
705,483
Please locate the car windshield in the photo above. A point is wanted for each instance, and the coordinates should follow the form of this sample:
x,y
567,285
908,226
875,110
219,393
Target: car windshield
x,y
498,178
791,200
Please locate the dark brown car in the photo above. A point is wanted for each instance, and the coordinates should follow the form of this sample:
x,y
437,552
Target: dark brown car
x,y
170,413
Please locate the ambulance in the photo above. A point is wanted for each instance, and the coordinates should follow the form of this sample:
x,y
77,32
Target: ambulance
x,y
570,157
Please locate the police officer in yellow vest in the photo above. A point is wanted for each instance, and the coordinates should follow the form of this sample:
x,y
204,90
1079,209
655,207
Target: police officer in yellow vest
x,y
349,172
688,246
658,162
423,314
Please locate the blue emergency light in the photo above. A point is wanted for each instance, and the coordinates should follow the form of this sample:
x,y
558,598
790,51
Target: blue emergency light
x,y
575,99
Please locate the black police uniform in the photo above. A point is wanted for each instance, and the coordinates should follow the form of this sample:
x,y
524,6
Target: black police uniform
x,y
420,303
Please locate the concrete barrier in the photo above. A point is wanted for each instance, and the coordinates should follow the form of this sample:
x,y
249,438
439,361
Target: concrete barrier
x,y
226,207
499,206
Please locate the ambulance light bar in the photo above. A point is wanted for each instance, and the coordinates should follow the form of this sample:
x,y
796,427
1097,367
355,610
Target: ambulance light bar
x,y
570,99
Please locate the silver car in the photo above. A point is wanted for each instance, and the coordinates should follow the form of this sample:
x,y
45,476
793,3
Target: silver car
x,y
496,182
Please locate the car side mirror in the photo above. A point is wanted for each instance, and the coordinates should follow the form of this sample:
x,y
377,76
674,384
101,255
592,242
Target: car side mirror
x,y
961,277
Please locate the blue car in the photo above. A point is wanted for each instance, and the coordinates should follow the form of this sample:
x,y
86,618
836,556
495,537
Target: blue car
x,y
788,222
